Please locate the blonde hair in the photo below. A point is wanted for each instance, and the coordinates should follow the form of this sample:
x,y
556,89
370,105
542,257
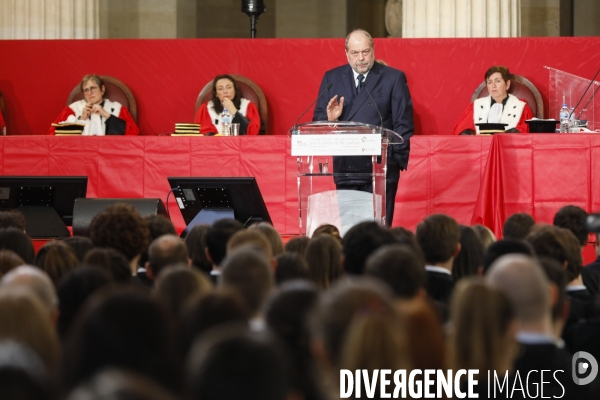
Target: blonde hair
x,y
253,237
323,255
23,318
272,236
481,319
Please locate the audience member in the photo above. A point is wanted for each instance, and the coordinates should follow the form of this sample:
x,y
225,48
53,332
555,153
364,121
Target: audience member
x,y
362,240
176,285
12,219
216,243
559,302
328,229
23,375
74,289
203,313
517,226
56,259
122,228
439,238
287,314
486,235
9,260
24,319
230,363
121,328
403,235
297,245
272,236
37,282
254,238
290,266
521,278
80,246
158,226
323,257
469,261
196,244
573,218
504,247
165,251
111,261
591,272
16,240
248,271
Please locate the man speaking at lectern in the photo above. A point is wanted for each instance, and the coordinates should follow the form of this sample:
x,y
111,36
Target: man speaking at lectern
x,y
348,100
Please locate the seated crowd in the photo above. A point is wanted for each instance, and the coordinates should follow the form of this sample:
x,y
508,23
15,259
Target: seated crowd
x,y
135,312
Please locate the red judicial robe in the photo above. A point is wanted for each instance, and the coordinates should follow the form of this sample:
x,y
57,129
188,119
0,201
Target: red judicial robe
x,y
467,119
209,119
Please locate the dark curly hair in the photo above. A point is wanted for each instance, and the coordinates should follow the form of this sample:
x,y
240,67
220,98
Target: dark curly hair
x,y
121,227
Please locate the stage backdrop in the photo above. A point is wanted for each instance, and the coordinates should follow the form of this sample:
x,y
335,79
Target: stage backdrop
x,y
167,75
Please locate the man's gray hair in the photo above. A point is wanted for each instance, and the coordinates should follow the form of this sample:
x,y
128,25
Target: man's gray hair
x,y
367,34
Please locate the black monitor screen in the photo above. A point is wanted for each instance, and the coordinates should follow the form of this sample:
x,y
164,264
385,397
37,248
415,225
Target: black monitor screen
x,y
57,192
241,195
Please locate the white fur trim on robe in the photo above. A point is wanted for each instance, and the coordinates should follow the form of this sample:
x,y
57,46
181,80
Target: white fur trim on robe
x,y
95,125
217,117
511,114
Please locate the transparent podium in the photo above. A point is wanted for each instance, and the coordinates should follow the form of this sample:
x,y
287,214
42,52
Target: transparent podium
x,y
580,94
320,149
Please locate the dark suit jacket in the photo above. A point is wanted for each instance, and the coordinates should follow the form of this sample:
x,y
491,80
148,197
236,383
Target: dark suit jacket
x,y
389,90
591,276
440,286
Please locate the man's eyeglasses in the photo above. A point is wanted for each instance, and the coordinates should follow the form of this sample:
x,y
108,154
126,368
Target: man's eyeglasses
x,y
90,89
355,53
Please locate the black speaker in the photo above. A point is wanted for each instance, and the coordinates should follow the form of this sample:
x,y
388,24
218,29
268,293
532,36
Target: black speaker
x,y
86,209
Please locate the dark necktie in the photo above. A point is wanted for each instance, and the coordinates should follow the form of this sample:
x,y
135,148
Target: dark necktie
x,y
360,78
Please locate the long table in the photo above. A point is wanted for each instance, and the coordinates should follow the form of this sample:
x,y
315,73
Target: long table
x,y
537,174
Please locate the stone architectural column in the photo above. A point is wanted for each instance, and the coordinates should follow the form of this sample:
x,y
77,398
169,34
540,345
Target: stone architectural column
x,y
460,18
49,19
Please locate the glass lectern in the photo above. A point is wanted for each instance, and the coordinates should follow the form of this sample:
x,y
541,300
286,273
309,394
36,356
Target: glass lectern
x,y
317,146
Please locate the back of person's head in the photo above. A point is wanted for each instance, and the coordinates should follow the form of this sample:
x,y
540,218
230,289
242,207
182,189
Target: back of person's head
x,y
195,241
481,321
158,226
547,241
12,219
120,227
362,240
176,285
248,271
558,277
111,261
523,281
323,257
486,235
517,226
401,266
233,364
121,328
290,266
573,218
164,251
16,240
217,308
24,319
272,236
217,237
23,375
426,336
74,289
115,384
470,258
297,245
37,282
328,229
573,253
438,236
504,247
404,235
9,260
56,259
338,307
80,246
250,237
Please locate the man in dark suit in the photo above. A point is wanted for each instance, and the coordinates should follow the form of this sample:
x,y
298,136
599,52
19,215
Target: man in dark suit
x,y
347,100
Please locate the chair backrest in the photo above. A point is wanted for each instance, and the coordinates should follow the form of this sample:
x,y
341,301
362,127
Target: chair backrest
x,y
523,89
116,90
249,90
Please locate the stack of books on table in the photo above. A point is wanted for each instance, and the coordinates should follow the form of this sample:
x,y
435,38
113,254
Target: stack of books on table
x,y
68,128
186,129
